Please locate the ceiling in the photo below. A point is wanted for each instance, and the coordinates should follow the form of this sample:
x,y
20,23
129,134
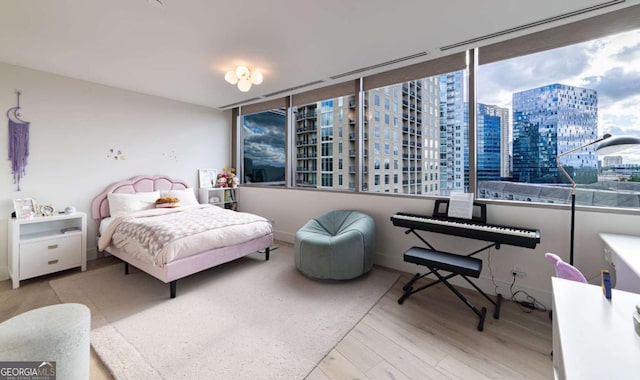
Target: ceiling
x,y
182,49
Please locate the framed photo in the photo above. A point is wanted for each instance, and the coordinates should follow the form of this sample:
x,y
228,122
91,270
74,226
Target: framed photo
x,y
24,208
207,177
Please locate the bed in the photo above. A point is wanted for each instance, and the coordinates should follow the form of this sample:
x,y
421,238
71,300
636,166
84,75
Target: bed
x,y
133,206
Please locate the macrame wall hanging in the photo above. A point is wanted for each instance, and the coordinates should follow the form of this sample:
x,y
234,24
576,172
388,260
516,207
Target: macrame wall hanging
x,y
18,143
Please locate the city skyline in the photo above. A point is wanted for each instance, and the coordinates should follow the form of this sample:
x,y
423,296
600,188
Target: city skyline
x,y
609,65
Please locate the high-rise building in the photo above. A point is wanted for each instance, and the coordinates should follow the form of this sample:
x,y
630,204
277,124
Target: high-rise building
x,y
488,142
400,140
548,121
611,161
505,141
454,133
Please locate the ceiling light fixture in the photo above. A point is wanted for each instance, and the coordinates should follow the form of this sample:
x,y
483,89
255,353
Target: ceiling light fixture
x,y
243,77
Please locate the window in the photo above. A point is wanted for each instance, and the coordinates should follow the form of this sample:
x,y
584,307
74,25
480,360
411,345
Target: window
x,y
321,140
327,180
327,164
535,96
416,131
525,121
264,147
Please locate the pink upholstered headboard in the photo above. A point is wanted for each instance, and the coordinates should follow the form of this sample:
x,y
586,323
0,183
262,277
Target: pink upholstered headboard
x,y
138,184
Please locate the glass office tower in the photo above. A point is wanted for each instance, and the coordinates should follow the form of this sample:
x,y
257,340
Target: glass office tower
x,y
548,121
489,140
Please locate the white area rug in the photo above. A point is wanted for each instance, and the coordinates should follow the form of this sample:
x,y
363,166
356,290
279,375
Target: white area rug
x,y
248,319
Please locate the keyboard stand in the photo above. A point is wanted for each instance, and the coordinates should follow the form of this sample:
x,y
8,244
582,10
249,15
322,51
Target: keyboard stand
x,y
409,290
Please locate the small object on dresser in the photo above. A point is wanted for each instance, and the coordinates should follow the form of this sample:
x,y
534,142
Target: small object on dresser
x,y
606,283
69,210
47,210
70,229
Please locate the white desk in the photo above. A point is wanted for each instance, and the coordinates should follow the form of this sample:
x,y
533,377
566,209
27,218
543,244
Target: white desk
x,y
594,338
624,253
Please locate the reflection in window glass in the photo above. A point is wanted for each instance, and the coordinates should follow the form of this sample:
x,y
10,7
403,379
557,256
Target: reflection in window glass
x,y
552,102
264,147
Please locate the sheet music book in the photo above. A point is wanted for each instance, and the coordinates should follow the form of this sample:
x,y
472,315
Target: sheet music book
x,y
461,205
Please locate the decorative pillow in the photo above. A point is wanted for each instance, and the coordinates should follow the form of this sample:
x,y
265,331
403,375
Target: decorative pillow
x,y
187,197
125,203
163,202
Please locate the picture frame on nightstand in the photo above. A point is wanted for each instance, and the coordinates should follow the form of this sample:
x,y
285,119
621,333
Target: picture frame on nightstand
x,y
207,177
24,207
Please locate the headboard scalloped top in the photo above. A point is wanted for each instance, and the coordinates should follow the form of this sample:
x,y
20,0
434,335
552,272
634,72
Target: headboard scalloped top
x,y
138,184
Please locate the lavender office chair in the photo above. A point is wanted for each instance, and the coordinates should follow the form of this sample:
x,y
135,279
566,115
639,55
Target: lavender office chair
x,y
565,270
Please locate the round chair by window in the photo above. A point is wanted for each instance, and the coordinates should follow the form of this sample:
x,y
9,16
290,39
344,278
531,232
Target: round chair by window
x,y
336,246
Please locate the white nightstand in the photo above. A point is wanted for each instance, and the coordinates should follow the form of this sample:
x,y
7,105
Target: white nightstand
x,y
39,246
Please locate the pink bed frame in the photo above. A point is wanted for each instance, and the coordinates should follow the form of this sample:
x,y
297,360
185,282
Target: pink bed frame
x,y
183,267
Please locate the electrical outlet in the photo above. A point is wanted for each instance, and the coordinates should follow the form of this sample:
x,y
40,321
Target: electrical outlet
x,y
518,272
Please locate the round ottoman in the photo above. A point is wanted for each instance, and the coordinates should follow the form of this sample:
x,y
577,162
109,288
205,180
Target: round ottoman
x,y
336,246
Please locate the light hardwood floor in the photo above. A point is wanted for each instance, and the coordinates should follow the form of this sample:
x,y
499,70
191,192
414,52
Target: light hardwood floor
x,y
432,335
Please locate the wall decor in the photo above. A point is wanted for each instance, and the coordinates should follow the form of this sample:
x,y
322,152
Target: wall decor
x,y
116,154
18,142
170,155
25,208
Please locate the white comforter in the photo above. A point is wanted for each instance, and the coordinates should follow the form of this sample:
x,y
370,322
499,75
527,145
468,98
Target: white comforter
x,y
159,236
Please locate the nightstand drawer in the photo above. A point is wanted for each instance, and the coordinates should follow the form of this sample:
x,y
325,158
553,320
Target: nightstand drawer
x,y
51,255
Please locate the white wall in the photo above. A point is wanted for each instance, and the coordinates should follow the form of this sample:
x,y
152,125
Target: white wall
x,y
74,124
289,209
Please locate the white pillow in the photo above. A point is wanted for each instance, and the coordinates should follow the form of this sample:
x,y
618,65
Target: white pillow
x,y
187,196
125,203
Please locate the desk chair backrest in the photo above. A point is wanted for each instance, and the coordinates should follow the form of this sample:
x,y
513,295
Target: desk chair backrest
x,y
565,270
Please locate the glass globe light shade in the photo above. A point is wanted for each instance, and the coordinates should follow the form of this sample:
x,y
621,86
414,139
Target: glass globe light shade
x,y
231,77
244,85
242,72
256,77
